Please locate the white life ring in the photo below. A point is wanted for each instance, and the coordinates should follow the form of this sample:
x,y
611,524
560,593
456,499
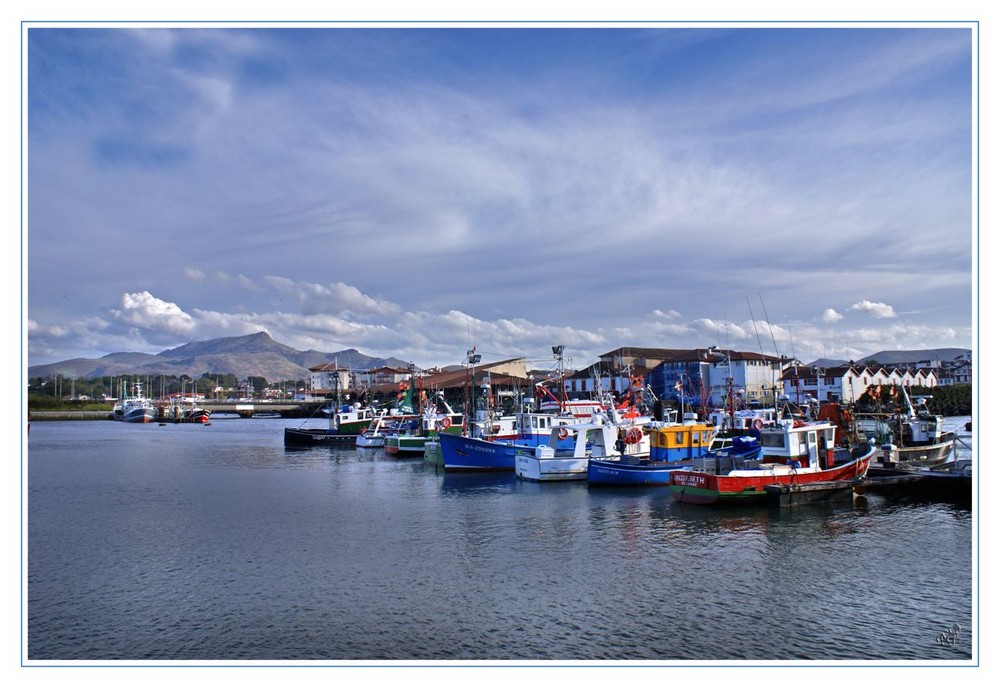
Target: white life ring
x,y
563,433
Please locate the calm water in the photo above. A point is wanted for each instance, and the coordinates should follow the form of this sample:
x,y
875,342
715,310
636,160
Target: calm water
x,y
186,542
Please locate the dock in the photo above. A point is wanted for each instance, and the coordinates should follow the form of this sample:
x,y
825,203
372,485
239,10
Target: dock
x,y
809,493
934,485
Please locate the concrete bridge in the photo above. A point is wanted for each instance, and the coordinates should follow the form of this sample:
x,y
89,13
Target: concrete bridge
x,y
257,407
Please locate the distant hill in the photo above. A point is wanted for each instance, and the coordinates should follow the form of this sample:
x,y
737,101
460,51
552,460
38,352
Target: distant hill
x,y
897,357
255,354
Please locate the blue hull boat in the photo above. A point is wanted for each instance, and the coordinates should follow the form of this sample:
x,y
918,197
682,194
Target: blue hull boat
x,y
460,453
641,473
624,474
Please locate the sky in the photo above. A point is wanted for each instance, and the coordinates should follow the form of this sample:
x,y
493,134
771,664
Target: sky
x,y
416,192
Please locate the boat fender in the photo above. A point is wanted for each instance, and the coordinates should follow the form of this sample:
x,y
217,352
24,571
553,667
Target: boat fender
x,y
758,424
620,446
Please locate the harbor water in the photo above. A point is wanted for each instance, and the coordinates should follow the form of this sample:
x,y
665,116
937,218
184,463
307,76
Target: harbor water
x,y
216,543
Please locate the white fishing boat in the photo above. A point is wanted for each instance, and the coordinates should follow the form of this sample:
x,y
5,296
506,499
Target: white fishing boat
x,y
135,408
598,438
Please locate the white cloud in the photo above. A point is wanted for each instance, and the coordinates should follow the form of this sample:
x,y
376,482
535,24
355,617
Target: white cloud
x,y
142,309
831,316
875,310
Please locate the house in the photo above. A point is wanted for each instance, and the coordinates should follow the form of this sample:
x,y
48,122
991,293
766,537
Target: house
x,y
847,384
706,377
329,378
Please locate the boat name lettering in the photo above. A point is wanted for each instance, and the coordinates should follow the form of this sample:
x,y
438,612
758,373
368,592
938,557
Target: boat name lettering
x,y
687,479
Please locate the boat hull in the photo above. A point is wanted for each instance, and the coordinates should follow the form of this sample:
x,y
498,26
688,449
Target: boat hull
x,y
747,486
460,453
619,474
366,441
405,445
139,415
927,456
304,437
530,467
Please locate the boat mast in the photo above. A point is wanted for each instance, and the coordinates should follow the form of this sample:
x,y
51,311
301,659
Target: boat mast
x,y
557,351
472,358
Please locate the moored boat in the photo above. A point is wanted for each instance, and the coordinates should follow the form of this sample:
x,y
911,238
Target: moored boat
x,y
628,472
136,408
351,419
918,437
597,439
408,438
462,453
792,453
671,442
182,409
304,437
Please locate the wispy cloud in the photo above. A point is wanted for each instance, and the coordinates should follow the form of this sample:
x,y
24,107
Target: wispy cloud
x,y
388,188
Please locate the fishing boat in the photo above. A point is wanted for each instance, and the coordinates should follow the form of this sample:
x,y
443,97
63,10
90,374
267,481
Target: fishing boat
x,y
135,408
631,471
918,437
465,453
351,419
670,441
183,409
793,453
599,438
409,437
373,436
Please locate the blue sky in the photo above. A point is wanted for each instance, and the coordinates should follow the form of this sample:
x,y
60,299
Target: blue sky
x,y
414,192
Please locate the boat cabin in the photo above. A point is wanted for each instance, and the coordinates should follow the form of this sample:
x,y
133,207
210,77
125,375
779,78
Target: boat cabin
x,y
800,444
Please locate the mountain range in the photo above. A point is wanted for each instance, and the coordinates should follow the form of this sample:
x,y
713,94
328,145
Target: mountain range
x,y
251,355
259,355
888,358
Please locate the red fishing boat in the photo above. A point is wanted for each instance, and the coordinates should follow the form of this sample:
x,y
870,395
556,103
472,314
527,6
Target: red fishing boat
x,y
794,453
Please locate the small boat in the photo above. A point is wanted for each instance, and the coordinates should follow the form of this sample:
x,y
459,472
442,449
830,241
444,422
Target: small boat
x,y
350,419
304,437
597,439
409,437
344,425
373,436
918,437
793,452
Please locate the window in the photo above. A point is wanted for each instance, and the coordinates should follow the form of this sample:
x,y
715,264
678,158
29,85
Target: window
x,y
772,439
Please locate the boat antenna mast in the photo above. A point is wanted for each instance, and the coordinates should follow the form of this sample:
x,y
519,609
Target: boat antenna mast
x,y
471,358
557,352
